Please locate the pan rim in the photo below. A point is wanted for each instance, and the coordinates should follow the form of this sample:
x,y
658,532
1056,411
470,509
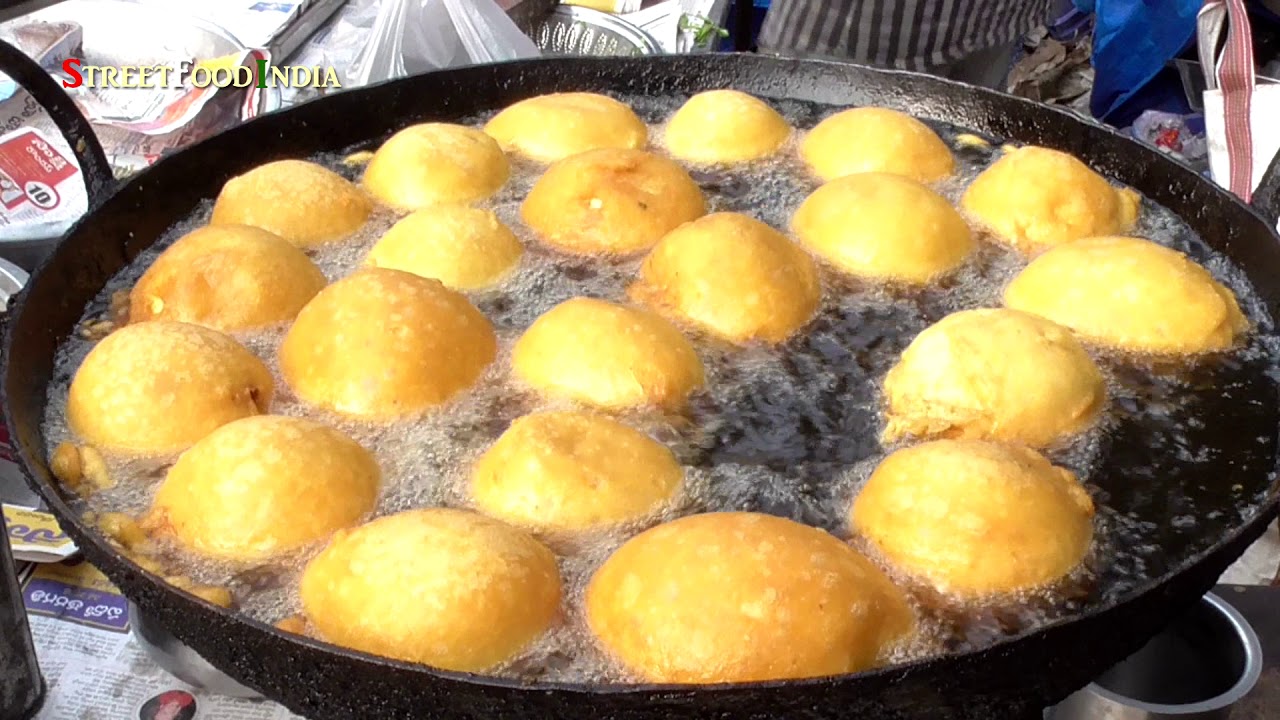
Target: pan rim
x,y
1266,509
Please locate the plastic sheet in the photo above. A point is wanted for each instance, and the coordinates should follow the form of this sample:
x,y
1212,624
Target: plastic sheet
x,y
416,36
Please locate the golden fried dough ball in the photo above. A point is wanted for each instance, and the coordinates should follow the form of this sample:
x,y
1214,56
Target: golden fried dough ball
x,y
742,597
382,344
993,374
607,355
1130,294
465,248
155,388
262,486
300,201
725,126
611,202
434,163
227,277
884,227
573,471
869,139
1034,198
553,127
732,275
976,518
442,587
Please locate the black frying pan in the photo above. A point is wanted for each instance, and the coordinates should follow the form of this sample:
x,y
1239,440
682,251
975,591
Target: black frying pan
x,y
1233,492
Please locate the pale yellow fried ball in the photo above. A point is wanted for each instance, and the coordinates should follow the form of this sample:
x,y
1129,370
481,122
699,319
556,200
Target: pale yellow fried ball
x,y
264,486
871,139
993,374
742,597
611,202
573,471
733,276
1034,198
155,388
884,227
227,277
552,127
383,344
435,163
463,247
300,201
976,518
607,355
1130,294
725,126
441,587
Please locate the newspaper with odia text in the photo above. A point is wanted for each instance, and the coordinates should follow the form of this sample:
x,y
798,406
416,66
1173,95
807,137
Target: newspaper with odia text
x,y
92,666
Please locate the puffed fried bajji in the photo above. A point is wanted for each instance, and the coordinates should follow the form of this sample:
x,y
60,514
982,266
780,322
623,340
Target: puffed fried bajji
x,y
993,374
227,277
447,588
1034,198
976,518
553,127
732,276
607,355
384,344
463,247
611,202
743,597
436,163
156,388
1130,294
265,486
572,471
871,139
884,227
724,127
302,202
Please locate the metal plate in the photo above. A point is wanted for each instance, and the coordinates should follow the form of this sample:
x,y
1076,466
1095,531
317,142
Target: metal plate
x,y
572,30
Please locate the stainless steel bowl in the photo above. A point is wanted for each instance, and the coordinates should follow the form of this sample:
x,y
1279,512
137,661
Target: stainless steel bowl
x,y
1196,669
573,30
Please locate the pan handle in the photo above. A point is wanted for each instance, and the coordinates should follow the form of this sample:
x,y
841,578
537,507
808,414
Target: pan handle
x,y
1266,198
99,181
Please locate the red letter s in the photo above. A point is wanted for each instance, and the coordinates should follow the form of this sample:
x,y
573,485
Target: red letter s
x,y
71,67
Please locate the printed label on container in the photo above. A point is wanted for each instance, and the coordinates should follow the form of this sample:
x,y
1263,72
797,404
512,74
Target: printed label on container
x,y
35,536
38,181
77,592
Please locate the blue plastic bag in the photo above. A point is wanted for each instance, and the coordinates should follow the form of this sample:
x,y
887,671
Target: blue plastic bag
x,y
1133,41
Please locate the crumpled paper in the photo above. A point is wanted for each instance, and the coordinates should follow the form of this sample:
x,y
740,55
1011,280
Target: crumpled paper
x,y
1054,72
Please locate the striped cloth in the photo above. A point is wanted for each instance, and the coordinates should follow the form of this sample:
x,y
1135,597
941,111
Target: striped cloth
x,y
922,35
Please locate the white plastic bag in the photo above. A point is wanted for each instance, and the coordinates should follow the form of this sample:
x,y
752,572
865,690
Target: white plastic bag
x,y
416,36
1240,108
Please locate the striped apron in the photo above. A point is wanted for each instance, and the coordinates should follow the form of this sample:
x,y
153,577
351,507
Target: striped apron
x,y
922,35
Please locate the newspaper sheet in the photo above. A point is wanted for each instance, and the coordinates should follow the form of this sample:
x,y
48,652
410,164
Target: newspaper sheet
x,y
95,670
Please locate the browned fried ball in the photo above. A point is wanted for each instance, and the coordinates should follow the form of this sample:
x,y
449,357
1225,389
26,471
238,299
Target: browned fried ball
x,y
742,597
382,344
442,587
553,127
227,277
976,518
263,486
611,202
607,355
302,202
733,276
156,388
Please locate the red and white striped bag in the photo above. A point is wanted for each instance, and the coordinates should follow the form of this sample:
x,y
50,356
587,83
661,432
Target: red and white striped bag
x,y
1241,115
